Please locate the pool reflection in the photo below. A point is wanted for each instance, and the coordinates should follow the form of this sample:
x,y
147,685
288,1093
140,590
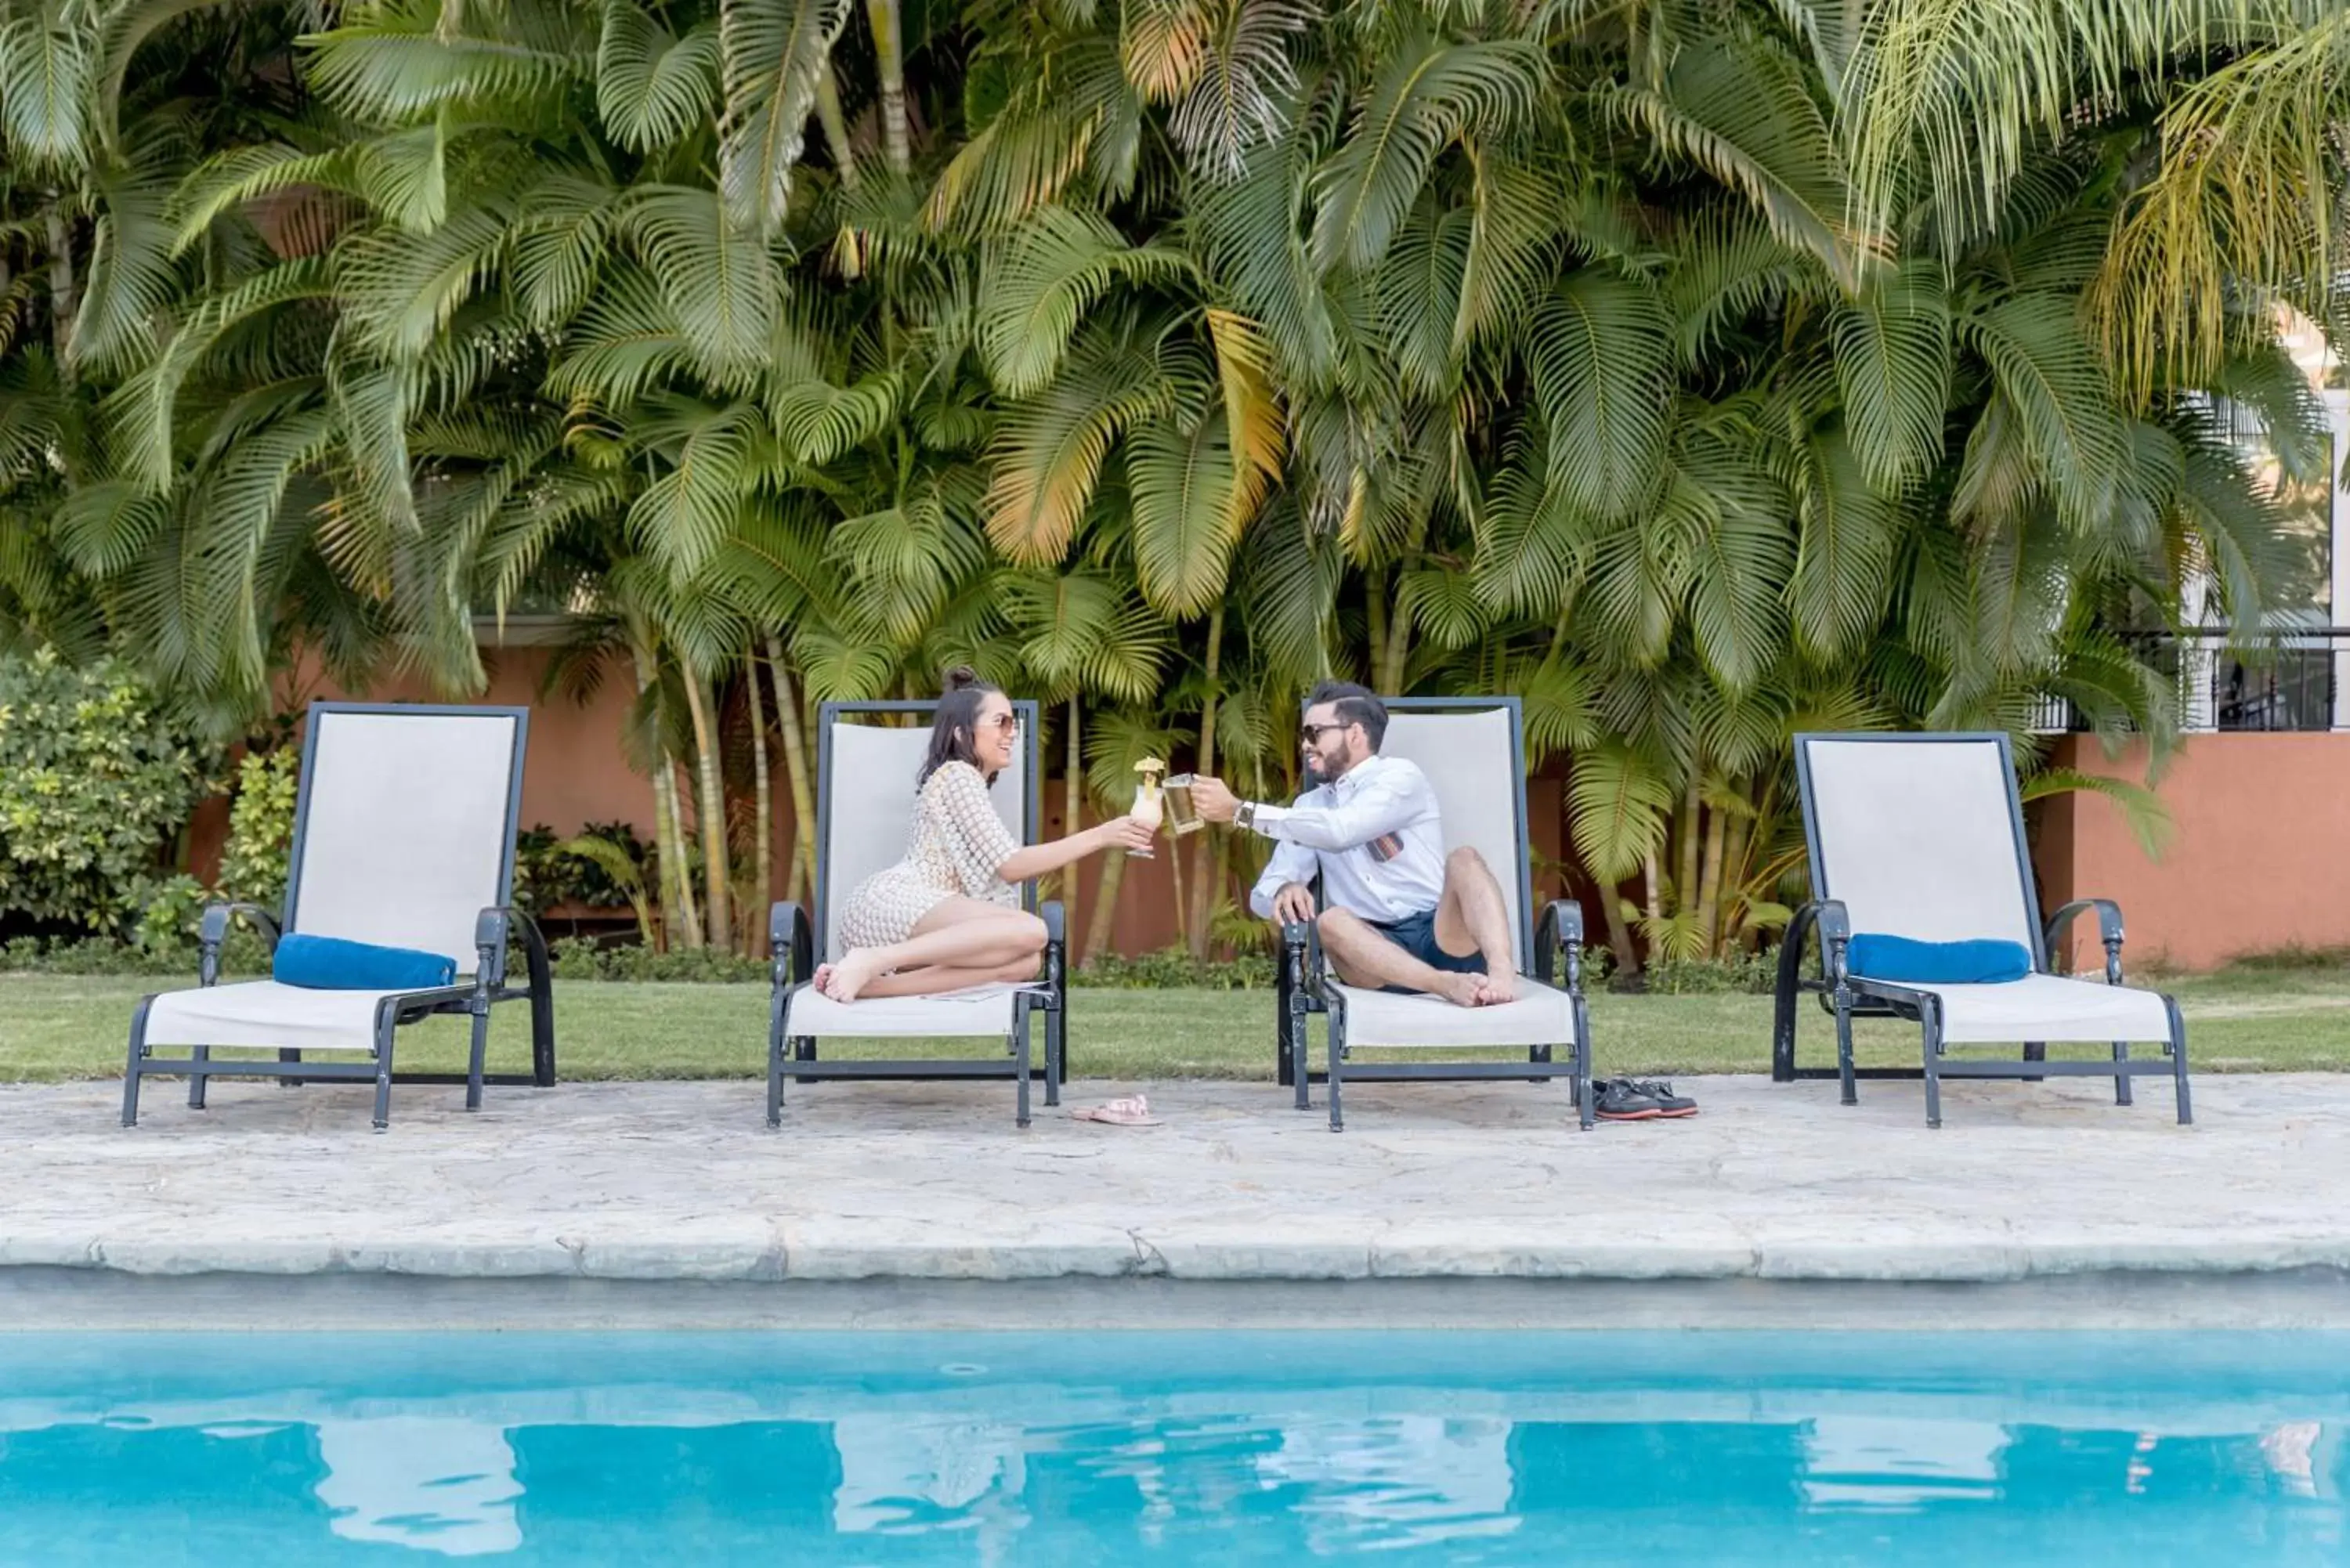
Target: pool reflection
x,y
898,1467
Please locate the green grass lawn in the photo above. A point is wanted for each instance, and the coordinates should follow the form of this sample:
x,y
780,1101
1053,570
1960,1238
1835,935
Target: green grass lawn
x,y
54,1027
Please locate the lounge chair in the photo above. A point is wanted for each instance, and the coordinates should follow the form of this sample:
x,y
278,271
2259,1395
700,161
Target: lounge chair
x,y
865,801
1921,836
403,837
1473,752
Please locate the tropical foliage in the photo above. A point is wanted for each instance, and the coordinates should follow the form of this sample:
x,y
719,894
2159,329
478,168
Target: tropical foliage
x,y
1700,370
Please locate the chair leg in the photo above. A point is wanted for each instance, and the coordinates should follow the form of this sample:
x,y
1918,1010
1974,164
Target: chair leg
x,y
197,1081
2121,1080
1020,1060
778,1037
2178,1063
1337,1056
1931,1031
481,1056
135,1067
385,1025
1849,1083
1301,1072
287,1053
1056,1050
1586,1110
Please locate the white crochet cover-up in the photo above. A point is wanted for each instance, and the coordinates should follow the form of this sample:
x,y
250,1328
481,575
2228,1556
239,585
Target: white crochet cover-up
x,y
956,846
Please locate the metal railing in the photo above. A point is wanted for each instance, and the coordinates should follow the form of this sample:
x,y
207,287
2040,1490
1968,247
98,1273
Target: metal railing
x,y
2294,678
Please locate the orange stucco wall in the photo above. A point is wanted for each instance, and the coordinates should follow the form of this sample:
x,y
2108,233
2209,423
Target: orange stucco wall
x,y
2256,858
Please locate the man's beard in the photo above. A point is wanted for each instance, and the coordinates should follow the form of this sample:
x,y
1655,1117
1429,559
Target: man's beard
x,y
1317,770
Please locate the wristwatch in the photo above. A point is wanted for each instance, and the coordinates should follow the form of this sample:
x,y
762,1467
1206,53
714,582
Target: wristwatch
x,y
1245,814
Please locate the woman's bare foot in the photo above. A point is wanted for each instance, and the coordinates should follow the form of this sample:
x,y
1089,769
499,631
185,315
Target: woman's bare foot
x,y
1497,990
851,975
823,980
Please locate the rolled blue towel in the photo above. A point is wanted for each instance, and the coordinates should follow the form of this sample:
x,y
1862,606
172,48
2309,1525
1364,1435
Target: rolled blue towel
x,y
330,963
1980,961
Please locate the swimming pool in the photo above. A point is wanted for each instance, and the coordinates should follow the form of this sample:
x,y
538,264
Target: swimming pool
x,y
650,1449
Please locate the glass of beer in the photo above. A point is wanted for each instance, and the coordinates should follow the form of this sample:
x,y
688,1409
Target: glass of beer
x,y
1182,817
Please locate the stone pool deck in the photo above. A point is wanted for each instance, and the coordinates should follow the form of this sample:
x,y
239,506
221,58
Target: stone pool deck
x,y
895,1188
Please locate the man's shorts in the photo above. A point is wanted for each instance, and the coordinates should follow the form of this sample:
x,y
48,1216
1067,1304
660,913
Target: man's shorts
x,y
1415,934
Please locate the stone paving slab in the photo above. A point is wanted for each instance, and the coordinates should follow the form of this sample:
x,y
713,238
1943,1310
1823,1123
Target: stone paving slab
x,y
933,1182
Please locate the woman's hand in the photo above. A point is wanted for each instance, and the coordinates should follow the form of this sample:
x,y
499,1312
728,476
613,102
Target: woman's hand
x,y
1123,832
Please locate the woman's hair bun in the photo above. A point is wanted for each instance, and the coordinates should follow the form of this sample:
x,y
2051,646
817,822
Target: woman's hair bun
x,y
962,677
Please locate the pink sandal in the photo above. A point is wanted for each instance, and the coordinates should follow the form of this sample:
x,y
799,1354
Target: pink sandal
x,y
1133,1111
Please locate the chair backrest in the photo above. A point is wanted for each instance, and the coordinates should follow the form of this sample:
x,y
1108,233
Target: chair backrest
x,y
404,827
1920,834
866,791
1472,750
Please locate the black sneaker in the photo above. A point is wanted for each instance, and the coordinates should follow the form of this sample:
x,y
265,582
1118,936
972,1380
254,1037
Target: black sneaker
x,y
1622,1100
1667,1103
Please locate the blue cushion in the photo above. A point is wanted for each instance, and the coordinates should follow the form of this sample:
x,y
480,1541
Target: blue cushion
x,y
330,963
1977,962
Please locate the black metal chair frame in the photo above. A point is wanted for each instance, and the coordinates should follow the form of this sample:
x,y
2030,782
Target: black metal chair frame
x,y
793,933
1301,986
1844,996
494,931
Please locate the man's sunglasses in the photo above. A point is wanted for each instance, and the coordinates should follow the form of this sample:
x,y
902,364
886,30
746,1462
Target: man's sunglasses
x,y
1310,735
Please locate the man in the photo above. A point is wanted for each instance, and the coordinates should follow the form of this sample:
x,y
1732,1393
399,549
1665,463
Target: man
x,y
1403,914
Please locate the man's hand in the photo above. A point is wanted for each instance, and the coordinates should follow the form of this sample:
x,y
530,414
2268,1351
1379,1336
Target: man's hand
x,y
1212,800
1293,904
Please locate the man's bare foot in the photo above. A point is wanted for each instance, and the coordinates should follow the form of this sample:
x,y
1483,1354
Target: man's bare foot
x,y
1497,990
851,975
1461,989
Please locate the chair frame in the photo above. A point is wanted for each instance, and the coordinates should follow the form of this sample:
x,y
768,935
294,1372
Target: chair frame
x,y
796,937
1302,982
494,932
1846,996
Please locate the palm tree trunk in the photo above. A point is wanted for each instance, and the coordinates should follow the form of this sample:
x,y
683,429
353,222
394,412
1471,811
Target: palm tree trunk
x,y
1733,879
1203,865
1686,846
787,716
712,810
678,921
1709,888
62,303
763,804
889,58
1072,802
1105,908
836,125
1655,899
1619,934
1374,614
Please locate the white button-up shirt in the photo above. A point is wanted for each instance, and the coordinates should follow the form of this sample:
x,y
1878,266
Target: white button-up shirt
x,y
1376,836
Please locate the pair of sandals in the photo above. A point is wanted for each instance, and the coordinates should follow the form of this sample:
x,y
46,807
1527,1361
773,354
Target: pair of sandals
x,y
1642,1100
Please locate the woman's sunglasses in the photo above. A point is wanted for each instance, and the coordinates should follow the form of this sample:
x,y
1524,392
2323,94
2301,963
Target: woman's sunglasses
x,y
1002,723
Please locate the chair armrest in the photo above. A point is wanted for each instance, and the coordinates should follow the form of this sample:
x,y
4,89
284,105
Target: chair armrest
x,y
2109,931
212,930
791,945
1834,922
1055,917
1561,926
495,930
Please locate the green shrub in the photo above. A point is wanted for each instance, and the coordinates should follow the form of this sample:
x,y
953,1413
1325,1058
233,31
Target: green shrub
x,y
260,847
1747,974
578,958
1174,966
96,782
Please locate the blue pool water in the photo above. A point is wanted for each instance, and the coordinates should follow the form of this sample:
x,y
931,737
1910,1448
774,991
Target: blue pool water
x,y
649,1450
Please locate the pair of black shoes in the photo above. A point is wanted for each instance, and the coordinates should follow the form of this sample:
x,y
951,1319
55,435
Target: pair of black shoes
x,y
1642,1100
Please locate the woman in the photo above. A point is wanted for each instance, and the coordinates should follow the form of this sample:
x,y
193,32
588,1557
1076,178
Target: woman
x,y
948,914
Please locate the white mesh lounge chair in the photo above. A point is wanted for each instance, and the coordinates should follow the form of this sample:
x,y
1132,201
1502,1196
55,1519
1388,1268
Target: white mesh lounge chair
x,y
1921,836
1473,751
865,801
403,837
